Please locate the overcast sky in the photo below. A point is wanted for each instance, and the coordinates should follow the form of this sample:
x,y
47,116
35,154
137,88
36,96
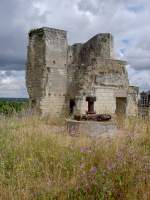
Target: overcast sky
x,y
127,20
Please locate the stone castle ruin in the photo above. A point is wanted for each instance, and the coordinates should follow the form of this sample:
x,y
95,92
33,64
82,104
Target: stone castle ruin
x,y
59,77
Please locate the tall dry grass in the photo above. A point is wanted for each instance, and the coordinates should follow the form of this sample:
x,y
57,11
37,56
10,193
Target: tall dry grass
x,y
38,163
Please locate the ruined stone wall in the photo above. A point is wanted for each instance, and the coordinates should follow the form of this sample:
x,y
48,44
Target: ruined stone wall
x,y
110,72
100,46
105,101
57,73
36,66
56,65
47,69
106,79
94,71
132,103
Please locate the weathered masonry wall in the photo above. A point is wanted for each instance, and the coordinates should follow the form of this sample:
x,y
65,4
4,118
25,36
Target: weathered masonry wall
x,y
100,46
105,101
58,74
35,67
106,79
47,69
132,103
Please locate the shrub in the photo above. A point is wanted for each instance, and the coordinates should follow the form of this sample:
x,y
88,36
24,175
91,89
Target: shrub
x,y
11,107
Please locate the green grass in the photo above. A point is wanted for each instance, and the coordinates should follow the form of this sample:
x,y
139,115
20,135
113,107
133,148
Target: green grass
x,y
36,163
8,108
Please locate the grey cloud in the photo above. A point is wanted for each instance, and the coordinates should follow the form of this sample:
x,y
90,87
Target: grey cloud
x,y
12,84
107,16
18,65
82,19
140,64
139,78
17,17
83,5
99,7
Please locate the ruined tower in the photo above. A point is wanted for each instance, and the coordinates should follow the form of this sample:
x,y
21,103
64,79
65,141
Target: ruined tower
x,y
47,70
59,77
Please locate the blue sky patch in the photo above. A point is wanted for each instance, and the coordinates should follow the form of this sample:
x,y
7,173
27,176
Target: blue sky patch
x,y
135,8
126,41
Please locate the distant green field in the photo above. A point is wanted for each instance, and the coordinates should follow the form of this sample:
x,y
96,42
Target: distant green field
x,y
10,106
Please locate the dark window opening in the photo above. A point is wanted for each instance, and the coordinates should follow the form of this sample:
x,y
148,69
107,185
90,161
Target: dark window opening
x,y
48,69
54,62
33,103
72,105
121,104
149,100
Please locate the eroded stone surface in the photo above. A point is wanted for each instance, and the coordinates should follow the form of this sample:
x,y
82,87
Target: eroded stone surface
x,y
58,74
91,128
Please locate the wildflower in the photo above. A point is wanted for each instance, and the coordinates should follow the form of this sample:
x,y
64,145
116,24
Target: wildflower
x,y
85,149
111,166
120,156
93,170
82,166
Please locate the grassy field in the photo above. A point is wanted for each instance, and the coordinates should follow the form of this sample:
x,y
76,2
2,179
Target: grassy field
x,y
12,106
36,163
